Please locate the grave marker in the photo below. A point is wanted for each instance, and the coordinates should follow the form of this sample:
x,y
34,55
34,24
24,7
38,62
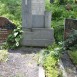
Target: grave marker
x,y
69,25
6,27
36,24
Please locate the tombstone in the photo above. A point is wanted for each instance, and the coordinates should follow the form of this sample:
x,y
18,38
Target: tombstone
x,y
6,27
36,24
69,25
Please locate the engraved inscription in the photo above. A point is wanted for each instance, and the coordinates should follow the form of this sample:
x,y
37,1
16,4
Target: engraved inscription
x,y
3,35
38,7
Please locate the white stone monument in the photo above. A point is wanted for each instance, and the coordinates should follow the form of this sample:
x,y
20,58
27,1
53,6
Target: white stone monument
x,y
36,24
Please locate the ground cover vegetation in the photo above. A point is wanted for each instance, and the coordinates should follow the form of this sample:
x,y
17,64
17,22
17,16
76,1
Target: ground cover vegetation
x,y
59,10
51,59
12,10
71,46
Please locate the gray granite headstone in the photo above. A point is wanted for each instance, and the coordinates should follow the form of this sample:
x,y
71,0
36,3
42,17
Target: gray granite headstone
x,y
27,13
36,24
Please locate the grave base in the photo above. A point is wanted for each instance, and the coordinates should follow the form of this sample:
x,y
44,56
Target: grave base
x,y
41,37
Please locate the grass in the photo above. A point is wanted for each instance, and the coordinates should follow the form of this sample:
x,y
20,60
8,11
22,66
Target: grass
x,y
50,67
50,61
3,55
73,56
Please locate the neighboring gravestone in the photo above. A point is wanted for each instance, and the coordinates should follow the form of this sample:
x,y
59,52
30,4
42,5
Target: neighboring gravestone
x,y
69,25
6,27
36,24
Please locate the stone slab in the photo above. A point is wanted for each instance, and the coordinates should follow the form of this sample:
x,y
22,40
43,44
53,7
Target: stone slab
x,y
41,71
38,37
27,13
33,13
47,19
69,25
38,21
38,7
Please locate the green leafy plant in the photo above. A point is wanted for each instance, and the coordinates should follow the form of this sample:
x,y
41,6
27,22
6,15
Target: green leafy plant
x,y
71,39
47,6
73,56
13,40
57,13
12,10
50,61
58,32
3,55
61,1
71,44
50,67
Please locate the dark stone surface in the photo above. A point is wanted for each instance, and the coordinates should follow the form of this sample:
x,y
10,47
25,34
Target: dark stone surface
x,y
6,27
68,66
69,25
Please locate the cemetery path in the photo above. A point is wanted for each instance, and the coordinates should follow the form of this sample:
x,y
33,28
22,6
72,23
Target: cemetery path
x,y
21,63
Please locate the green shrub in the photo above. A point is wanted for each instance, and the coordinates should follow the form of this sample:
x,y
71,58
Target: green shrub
x,y
69,14
3,55
71,39
13,40
12,10
47,6
60,1
50,67
63,1
73,56
57,13
58,30
51,58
